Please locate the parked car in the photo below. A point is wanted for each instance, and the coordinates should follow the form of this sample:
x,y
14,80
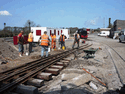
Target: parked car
x,y
122,36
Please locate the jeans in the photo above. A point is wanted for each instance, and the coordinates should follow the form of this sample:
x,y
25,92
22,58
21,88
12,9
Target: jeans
x,y
21,48
62,44
30,47
44,48
77,43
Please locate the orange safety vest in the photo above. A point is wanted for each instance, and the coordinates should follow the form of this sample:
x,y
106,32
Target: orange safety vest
x,y
19,35
53,37
44,40
30,37
61,38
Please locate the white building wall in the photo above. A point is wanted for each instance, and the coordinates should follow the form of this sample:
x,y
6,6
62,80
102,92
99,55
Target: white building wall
x,y
36,37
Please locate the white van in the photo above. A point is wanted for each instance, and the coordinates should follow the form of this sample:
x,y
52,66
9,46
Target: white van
x,y
122,35
104,33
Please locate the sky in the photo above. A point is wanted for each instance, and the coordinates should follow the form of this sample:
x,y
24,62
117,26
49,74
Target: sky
x,y
61,13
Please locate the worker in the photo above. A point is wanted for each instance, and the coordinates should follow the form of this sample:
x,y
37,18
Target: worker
x,y
30,40
20,41
76,40
62,40
44,43
53,43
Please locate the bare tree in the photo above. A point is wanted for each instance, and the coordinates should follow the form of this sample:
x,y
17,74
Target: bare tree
x,y
32,24
38,25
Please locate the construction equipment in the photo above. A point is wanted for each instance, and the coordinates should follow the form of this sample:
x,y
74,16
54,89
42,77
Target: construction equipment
x,y
90,53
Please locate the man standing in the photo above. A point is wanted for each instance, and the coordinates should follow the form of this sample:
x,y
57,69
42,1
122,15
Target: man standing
x,y
62,40
20,41
53,43
44,43
76,40
30,40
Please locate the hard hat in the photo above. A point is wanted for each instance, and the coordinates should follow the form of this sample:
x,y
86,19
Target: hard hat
x,y
62,33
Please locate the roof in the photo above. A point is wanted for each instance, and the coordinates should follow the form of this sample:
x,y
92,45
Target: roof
x,y
106,28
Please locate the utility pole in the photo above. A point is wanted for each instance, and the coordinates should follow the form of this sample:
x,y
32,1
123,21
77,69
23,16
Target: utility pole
x,y
4,29
104,22
29,27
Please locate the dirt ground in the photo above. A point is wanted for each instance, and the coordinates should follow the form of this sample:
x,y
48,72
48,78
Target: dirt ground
x,y
73,79
100,66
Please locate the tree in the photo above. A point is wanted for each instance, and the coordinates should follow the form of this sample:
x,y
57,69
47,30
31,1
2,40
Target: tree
x,y
38,25
32,24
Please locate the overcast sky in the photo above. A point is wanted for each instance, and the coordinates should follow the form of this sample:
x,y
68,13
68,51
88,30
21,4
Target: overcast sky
x,y
61,13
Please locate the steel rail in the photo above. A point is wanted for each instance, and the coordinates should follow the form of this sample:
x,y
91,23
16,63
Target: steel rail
x,y
35,72
28,67
42,59
31,66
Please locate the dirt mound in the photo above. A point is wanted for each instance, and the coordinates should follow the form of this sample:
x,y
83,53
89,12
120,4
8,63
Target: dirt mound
x,y
6,51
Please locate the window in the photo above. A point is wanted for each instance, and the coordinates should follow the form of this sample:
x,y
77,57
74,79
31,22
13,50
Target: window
x,y
54,32
38,32
50,32
58,32
61,31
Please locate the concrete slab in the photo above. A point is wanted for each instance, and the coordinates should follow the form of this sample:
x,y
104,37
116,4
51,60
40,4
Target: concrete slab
x,y
53,71
35,82
45,76
69,76
79,80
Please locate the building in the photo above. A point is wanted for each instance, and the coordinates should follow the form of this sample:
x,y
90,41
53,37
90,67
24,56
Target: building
x,y
38,31
119,25
105,29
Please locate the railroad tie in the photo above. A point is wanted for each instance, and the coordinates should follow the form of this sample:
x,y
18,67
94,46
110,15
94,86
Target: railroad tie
x,y
44,76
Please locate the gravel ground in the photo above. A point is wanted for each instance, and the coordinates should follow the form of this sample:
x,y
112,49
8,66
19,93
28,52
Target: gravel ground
x,y
101,66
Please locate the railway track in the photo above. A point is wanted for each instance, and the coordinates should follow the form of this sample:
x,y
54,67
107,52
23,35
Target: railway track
x,y
119,64
118,61
11,78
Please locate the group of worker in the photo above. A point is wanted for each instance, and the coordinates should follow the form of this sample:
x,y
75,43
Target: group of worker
x,y
45,42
